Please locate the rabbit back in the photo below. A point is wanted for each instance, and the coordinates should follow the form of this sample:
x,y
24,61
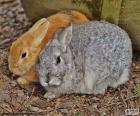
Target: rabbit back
x,y
106,49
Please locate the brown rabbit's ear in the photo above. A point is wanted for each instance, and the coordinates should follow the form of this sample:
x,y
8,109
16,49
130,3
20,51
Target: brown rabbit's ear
x,y
40,33
37,24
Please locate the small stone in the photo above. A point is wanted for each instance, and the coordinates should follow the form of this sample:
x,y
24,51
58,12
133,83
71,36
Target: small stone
x,y
95,98
65,111
20,93
104,114
35,109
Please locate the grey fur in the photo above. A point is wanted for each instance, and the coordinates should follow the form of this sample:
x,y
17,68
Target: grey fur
x,y
98,55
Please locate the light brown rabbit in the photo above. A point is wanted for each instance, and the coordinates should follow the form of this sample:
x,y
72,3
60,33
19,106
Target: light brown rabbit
x,y
25,50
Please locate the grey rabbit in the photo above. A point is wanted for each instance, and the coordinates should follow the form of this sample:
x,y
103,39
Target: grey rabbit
x,y
86,59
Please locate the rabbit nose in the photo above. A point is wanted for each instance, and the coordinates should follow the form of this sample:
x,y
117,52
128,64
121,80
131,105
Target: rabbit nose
x,y
43,82
55,82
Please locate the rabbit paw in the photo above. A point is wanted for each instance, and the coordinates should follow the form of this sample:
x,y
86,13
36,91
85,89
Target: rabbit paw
x,y
50,95
22,81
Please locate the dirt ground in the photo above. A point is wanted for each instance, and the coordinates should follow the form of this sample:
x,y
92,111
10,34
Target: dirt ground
x,y
29,100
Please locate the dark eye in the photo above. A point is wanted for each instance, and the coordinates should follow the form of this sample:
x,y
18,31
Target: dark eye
x,y
58,60
24,55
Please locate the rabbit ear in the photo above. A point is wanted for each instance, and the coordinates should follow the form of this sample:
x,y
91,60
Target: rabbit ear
x,y
37,24
65,37
40,33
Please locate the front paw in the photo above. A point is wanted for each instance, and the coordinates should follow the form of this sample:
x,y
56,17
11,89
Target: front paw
x,y
22,81
50,95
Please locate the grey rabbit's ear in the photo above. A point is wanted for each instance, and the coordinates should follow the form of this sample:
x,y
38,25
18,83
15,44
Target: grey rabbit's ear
x,y
65,37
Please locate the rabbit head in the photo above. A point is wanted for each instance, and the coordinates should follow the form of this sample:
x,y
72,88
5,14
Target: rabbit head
x,y
24,51
56,57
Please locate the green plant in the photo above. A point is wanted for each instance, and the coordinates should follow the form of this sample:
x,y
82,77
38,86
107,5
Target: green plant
x,y
137,89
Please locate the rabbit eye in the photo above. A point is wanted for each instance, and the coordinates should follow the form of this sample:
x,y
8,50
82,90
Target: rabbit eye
x,y
58,60
24,55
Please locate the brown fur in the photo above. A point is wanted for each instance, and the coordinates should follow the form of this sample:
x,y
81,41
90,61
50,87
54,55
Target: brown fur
x,y
26,69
